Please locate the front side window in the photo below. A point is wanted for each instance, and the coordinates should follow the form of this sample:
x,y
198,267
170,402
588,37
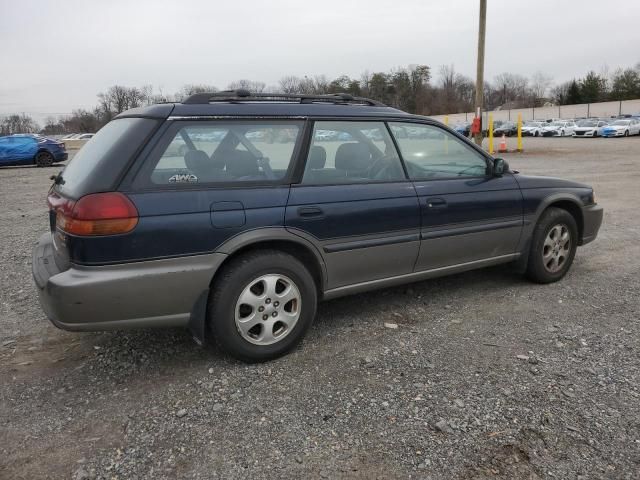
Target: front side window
x,y
226,152
430,152
352,152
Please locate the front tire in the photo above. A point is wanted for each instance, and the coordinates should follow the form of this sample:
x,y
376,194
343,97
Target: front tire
x,y
44,159
261,305
553,246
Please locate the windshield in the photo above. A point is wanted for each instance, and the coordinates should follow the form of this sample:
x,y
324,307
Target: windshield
x,y
621,122
532,124
586,123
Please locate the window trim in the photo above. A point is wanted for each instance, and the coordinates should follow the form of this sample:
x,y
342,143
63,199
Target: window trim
x,y
472,147
141,178
305,153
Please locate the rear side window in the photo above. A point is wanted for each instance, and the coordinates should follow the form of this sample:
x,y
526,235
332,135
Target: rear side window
x,y
430,153
352,152
102,158
224,152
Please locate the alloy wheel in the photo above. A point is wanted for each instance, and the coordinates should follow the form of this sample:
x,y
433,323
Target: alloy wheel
x,y
268,309
556,248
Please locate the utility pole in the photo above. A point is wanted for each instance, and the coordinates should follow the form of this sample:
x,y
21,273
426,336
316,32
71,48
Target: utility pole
x,y
480,71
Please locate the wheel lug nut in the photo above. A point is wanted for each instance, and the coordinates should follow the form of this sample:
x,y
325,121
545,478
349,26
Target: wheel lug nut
x,y
274,314
261,309
276,304
267,301
265,316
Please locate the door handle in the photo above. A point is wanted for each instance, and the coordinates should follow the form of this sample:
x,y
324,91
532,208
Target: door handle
x,y
436,203
308,212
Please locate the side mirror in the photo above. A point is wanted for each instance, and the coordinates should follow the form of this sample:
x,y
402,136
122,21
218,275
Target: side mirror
x,y
500,167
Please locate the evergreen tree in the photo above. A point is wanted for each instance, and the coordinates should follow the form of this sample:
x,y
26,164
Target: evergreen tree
x,y
593,88
573,94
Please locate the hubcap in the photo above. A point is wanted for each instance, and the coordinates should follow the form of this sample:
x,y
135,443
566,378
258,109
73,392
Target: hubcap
x,y
268,309
556,248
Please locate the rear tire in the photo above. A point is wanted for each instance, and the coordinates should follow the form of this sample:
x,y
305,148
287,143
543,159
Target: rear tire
x,y
261,305
44,159
553,246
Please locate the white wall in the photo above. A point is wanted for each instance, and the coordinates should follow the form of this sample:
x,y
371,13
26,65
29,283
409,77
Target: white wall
x,y
603,109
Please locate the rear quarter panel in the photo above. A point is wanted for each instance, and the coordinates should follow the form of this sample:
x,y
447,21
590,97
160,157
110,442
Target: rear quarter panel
x,y
179,223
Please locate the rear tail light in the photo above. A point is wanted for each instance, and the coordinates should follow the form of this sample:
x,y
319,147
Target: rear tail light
x,y
96,214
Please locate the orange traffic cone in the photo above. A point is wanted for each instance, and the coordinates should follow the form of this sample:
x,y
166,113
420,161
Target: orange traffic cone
x,y
503,144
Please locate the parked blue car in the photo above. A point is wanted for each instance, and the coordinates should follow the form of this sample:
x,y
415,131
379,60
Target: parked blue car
x,y
29,149
463,129
238,237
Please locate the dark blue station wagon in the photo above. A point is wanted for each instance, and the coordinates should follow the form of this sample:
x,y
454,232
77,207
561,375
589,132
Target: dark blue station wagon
x,y
233,214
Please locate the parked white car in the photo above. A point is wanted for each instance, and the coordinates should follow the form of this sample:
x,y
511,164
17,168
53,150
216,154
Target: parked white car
x,y
533,129
589,128
622,128
84,136
559,129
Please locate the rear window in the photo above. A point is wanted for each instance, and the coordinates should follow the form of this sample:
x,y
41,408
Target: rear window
x,y
114,144
223,152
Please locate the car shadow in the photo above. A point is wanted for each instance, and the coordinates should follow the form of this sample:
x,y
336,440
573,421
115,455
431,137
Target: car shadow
x,y
124,353
441,291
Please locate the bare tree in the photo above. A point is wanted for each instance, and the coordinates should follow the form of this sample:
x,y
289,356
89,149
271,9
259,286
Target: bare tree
x,y
18,124
193,88
251,85
514,88
289,84
540,84
455,92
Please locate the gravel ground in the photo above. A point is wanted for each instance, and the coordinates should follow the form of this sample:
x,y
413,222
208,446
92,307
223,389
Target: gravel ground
x,y
485,376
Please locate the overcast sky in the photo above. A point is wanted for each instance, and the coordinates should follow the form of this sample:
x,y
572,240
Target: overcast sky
x,y
57,55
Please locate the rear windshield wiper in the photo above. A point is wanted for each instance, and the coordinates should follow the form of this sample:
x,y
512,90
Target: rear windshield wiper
x,y
57,179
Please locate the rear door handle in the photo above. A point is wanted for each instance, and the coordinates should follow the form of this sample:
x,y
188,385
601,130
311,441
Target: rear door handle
x,y
310,212
436,203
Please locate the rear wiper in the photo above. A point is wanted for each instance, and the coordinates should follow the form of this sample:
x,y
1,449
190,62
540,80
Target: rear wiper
x,y
57,179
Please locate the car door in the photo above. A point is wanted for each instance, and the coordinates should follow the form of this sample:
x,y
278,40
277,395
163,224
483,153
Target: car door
x,y
355,203
17,149
468,215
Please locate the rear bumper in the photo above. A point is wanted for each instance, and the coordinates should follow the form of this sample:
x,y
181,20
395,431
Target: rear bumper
x,y
156,293
592,217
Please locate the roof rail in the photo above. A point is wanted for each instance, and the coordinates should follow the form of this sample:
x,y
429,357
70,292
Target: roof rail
x,y
241,95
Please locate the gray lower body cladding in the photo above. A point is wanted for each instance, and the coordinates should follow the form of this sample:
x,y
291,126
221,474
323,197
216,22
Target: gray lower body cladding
x,y
173,292
592,219
142,294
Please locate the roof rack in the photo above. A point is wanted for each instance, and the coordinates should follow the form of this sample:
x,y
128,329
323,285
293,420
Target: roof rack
x,y
242,95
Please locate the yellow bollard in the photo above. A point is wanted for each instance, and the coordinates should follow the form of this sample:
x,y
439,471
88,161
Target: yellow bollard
x,y
490,134
520,132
